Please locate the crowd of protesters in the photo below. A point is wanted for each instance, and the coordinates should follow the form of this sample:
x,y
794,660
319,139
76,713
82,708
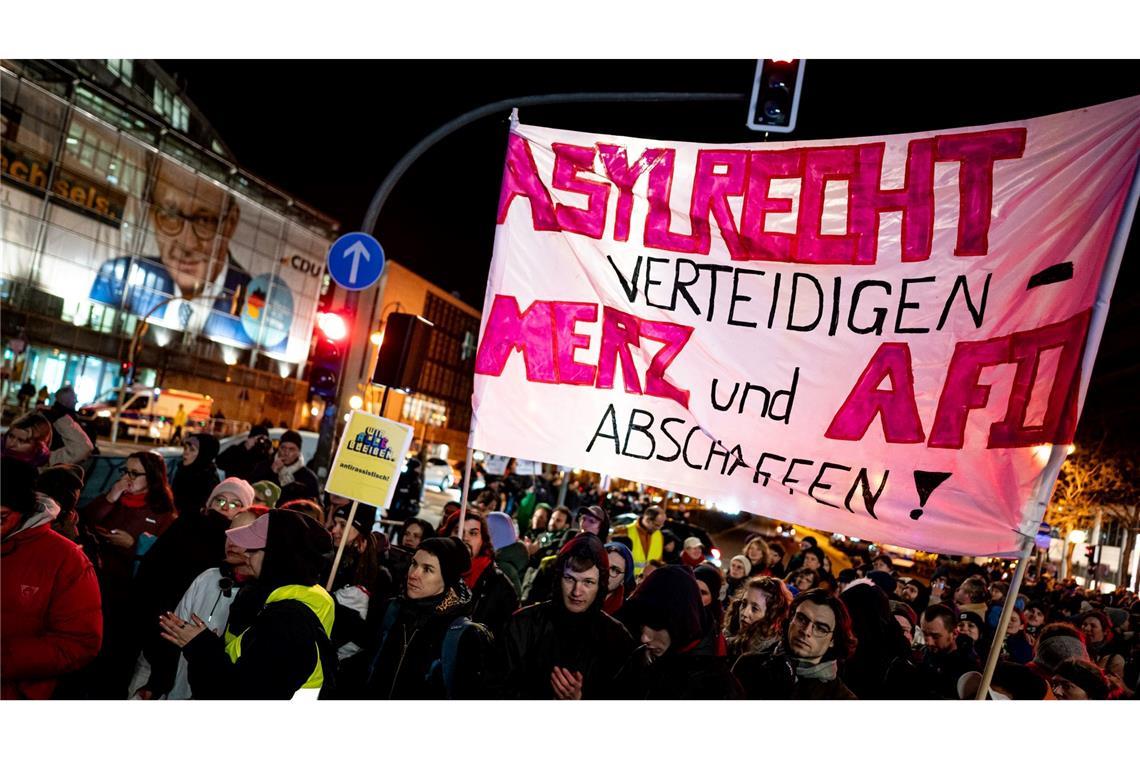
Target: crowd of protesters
x,y
212,585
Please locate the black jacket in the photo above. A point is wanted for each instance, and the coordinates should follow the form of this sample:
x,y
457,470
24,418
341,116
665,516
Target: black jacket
x,y
280,640
278,654
694,666
407,661
406,499
494,599
939,671
695,674
774,675
239,462
193,543
541,636
881,666
304,486
192,486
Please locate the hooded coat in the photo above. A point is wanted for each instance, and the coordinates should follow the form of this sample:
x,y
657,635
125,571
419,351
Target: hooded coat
x,y
284,631
193,483
194,542
694,666
50,607
513,560
545,635
881,666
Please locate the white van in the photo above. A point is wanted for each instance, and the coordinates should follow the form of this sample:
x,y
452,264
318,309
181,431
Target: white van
x,y
149,412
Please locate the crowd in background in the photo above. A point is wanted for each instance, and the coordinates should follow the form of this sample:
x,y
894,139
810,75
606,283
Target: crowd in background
x,y
212,585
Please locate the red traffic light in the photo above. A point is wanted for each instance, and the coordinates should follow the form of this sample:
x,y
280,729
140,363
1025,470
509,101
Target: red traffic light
x,y
334,326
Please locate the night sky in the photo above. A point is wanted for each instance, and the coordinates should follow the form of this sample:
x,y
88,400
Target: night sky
x,y
329,131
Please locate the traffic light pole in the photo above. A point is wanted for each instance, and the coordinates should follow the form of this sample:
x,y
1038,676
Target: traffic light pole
x,y
507,104
499,106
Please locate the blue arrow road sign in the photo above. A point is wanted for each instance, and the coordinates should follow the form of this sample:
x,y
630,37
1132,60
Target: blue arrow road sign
x,y
355,261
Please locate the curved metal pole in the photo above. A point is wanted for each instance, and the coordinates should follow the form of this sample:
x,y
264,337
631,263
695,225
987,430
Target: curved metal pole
x,y
490,109
140,329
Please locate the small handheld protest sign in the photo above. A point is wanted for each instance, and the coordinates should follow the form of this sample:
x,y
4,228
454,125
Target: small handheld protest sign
x,y
366,467
369,459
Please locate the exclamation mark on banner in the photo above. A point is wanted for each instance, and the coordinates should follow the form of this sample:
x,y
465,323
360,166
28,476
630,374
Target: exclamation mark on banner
x,y
925,483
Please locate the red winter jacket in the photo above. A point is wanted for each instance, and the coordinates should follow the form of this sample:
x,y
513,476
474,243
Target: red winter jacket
x,y
51,621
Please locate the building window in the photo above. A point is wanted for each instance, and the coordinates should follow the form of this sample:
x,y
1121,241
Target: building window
x,y
172,108
122,68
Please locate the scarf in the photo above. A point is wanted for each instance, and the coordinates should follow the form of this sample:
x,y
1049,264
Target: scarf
x,y
614,601
285,474
478,565
133,500
828,670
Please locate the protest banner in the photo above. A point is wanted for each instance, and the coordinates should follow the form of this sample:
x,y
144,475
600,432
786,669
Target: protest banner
x,y
366,466
887,337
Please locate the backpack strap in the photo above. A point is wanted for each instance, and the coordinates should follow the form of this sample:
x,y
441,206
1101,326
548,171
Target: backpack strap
x,y
385,626
449,652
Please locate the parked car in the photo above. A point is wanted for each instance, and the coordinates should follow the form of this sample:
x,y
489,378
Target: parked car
x,y
147,412
308,443
439,473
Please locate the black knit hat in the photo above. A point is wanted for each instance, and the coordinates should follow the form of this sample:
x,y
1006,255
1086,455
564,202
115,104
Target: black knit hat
x,y
291,436
258,430
364,519
18,485
972,617
711,577
454,559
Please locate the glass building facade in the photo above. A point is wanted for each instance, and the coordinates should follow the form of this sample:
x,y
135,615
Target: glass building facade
x,y
117,224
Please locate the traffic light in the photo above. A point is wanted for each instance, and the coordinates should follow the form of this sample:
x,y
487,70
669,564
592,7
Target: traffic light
x,y
126,370
328,355
1090,552
775,95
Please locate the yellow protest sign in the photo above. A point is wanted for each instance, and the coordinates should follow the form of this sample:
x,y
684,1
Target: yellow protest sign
x,y
369,459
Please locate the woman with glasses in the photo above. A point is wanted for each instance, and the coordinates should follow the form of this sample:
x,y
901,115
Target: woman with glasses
x,y
620,582
197,475
126,522
138,508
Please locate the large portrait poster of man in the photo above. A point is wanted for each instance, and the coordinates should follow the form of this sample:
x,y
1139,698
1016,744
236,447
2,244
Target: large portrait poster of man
x,y
224,261
137,231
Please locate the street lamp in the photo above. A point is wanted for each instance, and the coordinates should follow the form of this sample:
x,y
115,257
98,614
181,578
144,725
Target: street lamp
x,y
1077,536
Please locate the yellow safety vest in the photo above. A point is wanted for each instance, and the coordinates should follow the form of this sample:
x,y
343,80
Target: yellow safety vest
x,y
640,557
316,599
